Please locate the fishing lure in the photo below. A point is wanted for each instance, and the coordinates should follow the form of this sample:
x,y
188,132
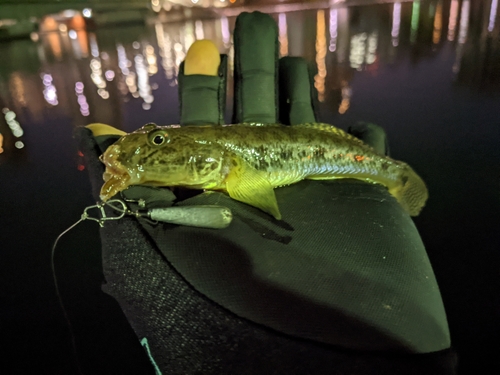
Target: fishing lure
x,y
208,216
202,216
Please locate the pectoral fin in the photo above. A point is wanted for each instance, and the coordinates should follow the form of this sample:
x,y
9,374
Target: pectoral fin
x,y
248,185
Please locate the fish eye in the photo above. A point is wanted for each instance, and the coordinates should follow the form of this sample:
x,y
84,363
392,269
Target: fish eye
x,y
158,138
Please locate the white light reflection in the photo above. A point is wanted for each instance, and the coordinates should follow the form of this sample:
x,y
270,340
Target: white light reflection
x,y
452,21
103,93
94,49
124,64
493,15
165,45
151,59
68,13
224,26
155,5
97,77
464,22
363,49
370,56
143,81
179,56
333,29
283,34
396,22
82,100
230,60
49,92
87,12
188,34
357,52
198,30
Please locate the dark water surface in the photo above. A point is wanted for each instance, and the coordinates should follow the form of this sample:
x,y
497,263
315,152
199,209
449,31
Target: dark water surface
x,y
428,72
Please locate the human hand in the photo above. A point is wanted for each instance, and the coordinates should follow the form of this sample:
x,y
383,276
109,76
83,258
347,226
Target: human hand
x,y
328,227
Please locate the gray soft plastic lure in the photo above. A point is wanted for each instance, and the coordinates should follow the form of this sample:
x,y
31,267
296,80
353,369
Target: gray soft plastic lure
x,y
214,217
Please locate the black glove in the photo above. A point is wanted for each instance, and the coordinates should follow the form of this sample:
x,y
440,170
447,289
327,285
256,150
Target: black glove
x,y
342,285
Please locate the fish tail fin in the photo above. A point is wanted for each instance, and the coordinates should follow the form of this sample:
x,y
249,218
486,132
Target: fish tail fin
x,y
411,192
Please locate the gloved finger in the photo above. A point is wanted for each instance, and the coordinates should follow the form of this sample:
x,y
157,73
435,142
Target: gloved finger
x,y
296,92
255,69
202,85
312,69
372,135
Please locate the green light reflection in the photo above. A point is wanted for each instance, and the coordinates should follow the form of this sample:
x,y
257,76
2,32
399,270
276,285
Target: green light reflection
x,y
415,14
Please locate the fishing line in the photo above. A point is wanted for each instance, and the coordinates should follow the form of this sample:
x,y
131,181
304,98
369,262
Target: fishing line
x,y
59,299
100,221
208,216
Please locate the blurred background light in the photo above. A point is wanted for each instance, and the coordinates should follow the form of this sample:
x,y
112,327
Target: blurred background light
x,y
464,22
49,91
493,14
319,79
396,22
283,34
438,23
415,17
333,30
87,12
452,21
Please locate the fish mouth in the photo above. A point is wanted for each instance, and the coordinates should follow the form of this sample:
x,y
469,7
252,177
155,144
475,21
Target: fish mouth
x,y
116,177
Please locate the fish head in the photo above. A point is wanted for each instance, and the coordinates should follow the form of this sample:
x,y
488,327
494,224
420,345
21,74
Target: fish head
x,y
163,156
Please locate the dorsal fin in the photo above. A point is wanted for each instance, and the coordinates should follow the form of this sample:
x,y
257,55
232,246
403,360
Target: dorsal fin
x,y
331,129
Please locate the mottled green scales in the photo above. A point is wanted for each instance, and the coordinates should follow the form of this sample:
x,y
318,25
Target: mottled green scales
x,y
249,160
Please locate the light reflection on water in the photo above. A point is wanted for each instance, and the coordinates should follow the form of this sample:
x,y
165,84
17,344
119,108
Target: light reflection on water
x,y
100,76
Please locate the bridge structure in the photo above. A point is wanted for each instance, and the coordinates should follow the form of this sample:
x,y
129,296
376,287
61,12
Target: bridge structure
x,y
25,9
19,18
